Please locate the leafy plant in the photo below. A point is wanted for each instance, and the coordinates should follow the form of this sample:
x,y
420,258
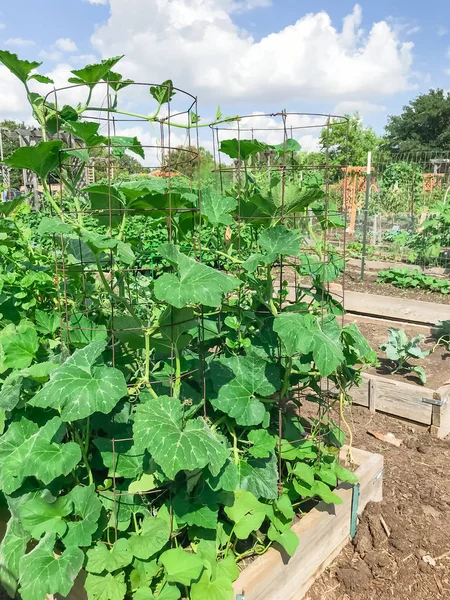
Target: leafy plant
x,y
145,442
443,334
403,277
400,350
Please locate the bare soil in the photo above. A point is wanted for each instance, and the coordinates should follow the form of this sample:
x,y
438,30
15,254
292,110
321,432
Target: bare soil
x,y
416,510
436,364
352,282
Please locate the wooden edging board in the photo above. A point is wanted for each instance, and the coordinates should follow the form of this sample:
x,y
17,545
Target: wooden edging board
x,y
412,402
323,532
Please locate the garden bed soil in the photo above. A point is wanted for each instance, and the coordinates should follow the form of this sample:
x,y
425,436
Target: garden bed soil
x,y
352,282
436,364
416,511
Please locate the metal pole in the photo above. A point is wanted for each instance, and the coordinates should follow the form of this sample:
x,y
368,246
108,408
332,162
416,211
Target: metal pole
x,y
366,212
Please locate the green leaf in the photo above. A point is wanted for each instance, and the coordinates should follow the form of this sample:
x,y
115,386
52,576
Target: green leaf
x,y
105,587
126,461
116,81
323,491
158,427
87,131
19,344
101,558
305,333
78,388
47,323
143,572
304,472
217,208
8,208
290,145
41,573
82,331
41,78
242,149
195,284
279,241
120,143
169,592
146,483
287,539
247,513
86,510
345,475
41,159
28,450
143,594
12,548
239,381
107,202
39,516
164,92
154,535
220,588
259,476
284,505
94,73
20,68
199,510
263,443
180,566
421,373
53,225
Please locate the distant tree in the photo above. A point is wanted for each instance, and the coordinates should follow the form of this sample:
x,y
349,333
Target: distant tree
x,y
423,125
9,146
349,142
185,160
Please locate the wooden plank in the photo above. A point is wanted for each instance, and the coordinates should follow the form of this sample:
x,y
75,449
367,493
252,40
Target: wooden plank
x,y
372,395
388,307
441,414
323,532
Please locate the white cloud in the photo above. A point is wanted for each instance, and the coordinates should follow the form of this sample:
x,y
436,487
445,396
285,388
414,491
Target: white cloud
x,y
447,71
248,5
13,101
66,45
2,26
53,55
19,42
362,107
198,45
442,31
83,59
97,1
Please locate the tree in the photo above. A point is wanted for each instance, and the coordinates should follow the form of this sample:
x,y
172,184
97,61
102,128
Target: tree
x,y
184,160
423,125
9,146
348,142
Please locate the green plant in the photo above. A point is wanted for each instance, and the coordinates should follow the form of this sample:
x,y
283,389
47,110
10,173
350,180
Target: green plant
x,y
403,277
400,350
443,334
157,442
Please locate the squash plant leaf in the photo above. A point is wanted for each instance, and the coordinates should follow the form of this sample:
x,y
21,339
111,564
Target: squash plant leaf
x,y
154,535
116,81
101,558
12,548
220,588
82,331
120,143
41,159
86,510
263,443
87,131
242,149
39,516
279,240
195,284
180,566
27,450
217,208
19,346
20,68
302,334
143,593
259,476
106,587
247,513
164,92
42,573
107,202
126,461
79,387
91,74
54,225
158,427
290,145
239,382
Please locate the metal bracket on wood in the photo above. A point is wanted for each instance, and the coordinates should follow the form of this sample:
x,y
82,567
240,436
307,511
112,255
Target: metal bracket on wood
x,y
433,401
354,511
240,596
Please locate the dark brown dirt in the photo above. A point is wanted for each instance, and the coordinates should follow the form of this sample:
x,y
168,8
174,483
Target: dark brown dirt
x,y
416,510
436,364
352,282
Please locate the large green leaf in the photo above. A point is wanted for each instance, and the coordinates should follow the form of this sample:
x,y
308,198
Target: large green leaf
x,y
242,149
120,143
88,131
239,381
220,588
247,513
20,68
143,593
154,535
28,450
164,92
82,331
279,240
94,73
101,558
180,566
195,284
259,476
13,546
42,573
41,159
18,346
106,587
86,513
39,516
217,208
125,461
302,334
107,202
158,427
263,443
78,388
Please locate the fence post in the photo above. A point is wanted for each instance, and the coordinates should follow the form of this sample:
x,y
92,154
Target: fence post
x,y
366,211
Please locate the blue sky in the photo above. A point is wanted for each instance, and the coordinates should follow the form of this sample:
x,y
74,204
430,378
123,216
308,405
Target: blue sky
x,y
247,55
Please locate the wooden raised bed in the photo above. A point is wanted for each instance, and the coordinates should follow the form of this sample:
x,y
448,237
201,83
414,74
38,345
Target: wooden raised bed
x,y
323,533
412,402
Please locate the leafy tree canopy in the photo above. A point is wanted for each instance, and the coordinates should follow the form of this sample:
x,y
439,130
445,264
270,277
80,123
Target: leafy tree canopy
x,y
349,142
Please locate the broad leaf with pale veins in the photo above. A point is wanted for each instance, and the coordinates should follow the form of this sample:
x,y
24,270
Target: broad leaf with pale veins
x,y
39,516
158,427
217,208
86,510
154,535
79,388
106,587
102,558
41,159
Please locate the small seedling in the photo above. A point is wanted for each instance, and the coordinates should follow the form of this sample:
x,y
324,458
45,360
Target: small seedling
x,y
400,350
